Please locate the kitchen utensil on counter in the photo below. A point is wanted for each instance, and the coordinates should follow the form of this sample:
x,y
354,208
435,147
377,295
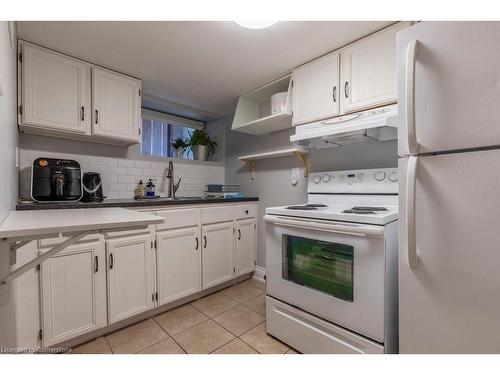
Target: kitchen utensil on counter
x,y
92,187
55,180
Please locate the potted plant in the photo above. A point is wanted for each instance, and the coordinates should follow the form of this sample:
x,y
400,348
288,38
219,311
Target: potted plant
x,y
180,145
201,144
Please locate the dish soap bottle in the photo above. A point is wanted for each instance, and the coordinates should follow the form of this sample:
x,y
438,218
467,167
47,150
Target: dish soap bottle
x,y
140,190
150,188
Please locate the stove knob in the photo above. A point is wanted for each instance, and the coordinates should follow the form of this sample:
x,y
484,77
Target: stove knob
x,y
317,179
380,176
326,178
393,176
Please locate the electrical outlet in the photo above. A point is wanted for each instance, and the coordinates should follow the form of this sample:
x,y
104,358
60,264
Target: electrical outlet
x,y
295,175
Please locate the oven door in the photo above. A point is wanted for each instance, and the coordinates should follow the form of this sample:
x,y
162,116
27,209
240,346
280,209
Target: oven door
x,y
330,269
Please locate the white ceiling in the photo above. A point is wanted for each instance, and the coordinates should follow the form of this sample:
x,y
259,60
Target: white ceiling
x,y
204,65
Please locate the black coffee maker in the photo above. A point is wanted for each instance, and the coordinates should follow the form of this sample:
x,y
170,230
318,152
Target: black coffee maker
x,y
55,180
92,187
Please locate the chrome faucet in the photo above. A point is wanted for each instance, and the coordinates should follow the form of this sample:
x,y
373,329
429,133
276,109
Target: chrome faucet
x,y
172,187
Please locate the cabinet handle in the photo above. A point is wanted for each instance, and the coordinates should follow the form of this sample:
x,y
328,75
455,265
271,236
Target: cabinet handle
x,y
205,242
239,234
246,211
82,113
346,89
197,243
111,261
96,116
334,94
96,264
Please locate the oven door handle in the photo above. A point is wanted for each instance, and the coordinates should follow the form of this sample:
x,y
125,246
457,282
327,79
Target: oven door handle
x,y
325,226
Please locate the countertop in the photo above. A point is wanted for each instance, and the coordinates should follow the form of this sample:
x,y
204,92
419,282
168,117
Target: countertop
x,y
40,223
29,205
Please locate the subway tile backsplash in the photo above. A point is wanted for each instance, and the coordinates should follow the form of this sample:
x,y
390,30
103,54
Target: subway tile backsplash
x,y
120,176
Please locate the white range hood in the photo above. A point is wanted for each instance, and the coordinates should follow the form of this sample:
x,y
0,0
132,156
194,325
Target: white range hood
x,y
368,126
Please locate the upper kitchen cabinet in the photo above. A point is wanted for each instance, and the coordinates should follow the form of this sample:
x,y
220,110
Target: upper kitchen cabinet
x,y
116,105
316,90
54,92
368,71
65,97
265,110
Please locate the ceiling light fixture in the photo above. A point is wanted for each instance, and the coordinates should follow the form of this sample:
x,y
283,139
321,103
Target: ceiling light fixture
x,y
256,24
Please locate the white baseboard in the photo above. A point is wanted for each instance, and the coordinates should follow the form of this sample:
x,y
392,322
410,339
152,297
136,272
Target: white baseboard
x,y
260,274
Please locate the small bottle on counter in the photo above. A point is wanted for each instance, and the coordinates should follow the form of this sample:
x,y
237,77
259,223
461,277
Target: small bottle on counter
x,y
150,188
140,190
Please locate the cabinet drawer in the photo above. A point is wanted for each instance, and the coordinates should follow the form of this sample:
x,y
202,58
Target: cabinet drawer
x,y
179,218
217,214
245,212
47,243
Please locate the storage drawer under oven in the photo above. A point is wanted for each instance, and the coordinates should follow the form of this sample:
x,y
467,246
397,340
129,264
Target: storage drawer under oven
x,y
311,335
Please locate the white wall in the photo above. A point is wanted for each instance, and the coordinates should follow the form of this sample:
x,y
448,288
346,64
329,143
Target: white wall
x,y
120,176
272,183
120,167
8,143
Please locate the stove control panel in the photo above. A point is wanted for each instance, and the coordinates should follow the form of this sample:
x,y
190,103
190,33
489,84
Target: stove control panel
x,y
362,181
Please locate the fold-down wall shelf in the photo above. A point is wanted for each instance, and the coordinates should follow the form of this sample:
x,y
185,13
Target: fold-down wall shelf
x,y
302,154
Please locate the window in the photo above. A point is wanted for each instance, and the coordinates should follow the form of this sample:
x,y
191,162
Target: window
x,y
160,129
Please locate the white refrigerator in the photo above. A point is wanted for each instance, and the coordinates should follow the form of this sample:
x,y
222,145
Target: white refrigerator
x,y
449,168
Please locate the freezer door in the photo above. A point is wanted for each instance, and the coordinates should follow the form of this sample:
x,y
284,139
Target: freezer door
x,y
450,301
456,85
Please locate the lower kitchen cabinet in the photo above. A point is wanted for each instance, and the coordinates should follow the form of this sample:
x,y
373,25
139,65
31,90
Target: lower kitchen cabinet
x,y
73,292
105,279
178,262
217,253
130,264
245,246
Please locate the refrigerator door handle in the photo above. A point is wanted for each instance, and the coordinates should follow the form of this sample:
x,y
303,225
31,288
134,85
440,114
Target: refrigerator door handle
x,y
411,240
411,53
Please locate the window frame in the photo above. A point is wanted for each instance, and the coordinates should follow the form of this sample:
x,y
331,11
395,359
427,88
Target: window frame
x,y
152,115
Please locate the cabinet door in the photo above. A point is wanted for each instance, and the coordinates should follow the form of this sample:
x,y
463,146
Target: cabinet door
x,y
217,253
368,71
116,105
73,285
315,90
55,91
178,262
130,276
245,246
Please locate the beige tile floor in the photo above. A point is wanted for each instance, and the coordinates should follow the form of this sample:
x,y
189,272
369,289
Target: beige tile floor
x,y
231,321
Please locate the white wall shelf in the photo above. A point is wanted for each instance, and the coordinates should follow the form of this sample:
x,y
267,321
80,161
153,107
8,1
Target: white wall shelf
x,y
253,112
302,155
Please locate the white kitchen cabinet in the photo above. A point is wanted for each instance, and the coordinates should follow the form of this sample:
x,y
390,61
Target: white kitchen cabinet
x,y
217,253
116,104
73,292
54,91
245,246
130,265
254,112
315,90
368,71
65,97
178,262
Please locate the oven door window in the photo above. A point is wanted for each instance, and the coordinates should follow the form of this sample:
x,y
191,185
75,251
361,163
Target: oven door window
x,y
324,266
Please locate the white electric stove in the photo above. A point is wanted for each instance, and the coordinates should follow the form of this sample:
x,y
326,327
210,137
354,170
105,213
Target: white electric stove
x,y
331,264
362,196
